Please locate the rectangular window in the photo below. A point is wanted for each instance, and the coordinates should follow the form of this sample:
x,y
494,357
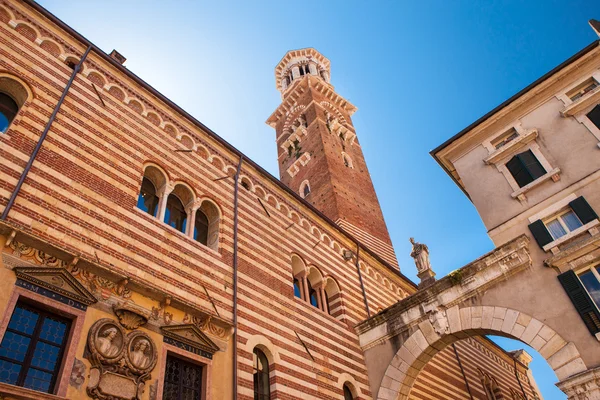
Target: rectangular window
x,y
561,224
594,116
591,282
582,89
183,380
505,138
32,348
525,168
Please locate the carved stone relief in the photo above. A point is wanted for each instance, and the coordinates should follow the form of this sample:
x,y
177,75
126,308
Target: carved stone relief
x,y
130,315
121,363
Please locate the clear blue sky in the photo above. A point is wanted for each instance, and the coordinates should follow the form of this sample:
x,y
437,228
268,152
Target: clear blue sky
x,y
418,71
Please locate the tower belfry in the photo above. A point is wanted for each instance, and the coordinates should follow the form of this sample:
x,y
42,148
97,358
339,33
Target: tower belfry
x,y
319,155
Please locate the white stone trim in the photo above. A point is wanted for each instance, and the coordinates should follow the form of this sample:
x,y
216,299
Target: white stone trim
x,y
511,147
519,194
554,244
553,208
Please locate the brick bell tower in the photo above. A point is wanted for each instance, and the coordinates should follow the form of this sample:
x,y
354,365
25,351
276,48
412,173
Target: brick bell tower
x,y
319,154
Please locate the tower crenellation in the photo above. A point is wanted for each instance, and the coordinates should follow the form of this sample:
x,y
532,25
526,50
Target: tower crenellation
x,y
319,155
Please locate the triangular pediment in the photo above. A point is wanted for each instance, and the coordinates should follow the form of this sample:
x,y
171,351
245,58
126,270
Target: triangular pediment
x,y
58,280
191,335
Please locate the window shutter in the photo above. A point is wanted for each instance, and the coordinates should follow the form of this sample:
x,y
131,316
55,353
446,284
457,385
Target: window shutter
x,y
518,171
581,300
594,116
583,210
540,233
532,164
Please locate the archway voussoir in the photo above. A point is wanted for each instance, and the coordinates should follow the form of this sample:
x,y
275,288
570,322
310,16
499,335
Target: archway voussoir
x,y
406,355
465,317
517,331
387,394
510,320
390,383
394,374
428,332
531,330
487,315
552,347
574,367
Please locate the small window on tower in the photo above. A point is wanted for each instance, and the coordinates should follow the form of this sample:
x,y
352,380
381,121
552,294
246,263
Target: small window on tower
x,y
347,160
304,189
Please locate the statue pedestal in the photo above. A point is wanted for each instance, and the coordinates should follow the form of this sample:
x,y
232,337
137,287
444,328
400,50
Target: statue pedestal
x,y
427,278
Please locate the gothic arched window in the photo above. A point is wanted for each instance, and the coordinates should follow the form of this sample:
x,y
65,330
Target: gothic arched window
x,y
147,199
312,295
262,389
297,289
348,393
175,214
8,111
201,228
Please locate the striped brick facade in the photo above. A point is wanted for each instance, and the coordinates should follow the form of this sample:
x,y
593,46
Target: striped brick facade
x,y
78,206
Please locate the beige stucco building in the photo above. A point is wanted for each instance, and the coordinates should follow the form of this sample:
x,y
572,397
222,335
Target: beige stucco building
x,y
531,167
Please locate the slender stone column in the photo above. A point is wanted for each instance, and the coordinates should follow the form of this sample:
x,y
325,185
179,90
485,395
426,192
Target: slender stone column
x,y
305,288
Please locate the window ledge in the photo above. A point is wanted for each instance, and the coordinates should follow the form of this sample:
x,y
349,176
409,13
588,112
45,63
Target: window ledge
x,y
553,246
178,233
581,104
520,194
511,147
20,393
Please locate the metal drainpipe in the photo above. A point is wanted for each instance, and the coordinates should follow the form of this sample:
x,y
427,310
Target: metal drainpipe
x,y
519,379
38,146
462,370
362,285
235,275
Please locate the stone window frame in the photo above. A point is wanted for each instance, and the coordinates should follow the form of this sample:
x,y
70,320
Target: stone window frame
x,y
526,140
204,362
77,318
559,207
589,267
166,187
21,93
581,107
305,183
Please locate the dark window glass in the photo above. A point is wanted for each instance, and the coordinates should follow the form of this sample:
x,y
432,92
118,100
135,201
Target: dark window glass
x,y
8,110
201,228
306,190
183,380
262,386
592,285
312,295
297,291
348,393
175,213
525,168
32,348
594,116
148,200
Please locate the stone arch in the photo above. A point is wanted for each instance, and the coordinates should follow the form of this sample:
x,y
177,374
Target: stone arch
x,y
171,130
230,170
456,323
117,92
272,200
304,189
135,106
295,217
187,142
71,60
298,265
334,297
315,232
96,78
265,345
202,151
326,240
246,183
6,15
16,88
184,192
347,379
213,213
51,47
284,209
25,29
329,107
305,224
292,116
260,192
217,162
337,248
154,118
156,174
